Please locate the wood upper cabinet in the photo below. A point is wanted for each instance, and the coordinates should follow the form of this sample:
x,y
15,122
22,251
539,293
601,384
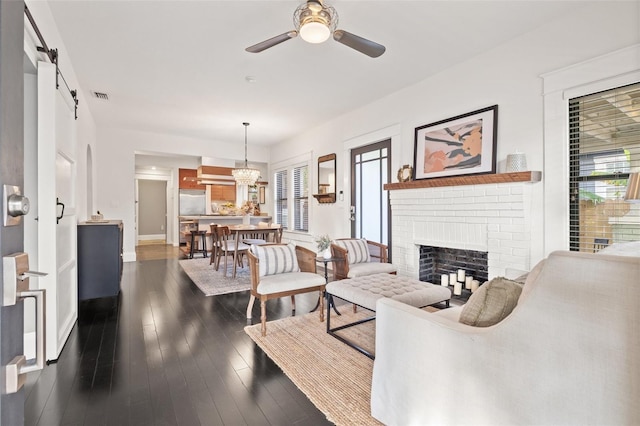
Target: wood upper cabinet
x,y
229,193
223,193
188,179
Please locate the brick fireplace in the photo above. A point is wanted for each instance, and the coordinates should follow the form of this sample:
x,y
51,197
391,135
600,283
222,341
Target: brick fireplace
x,y
435,261
489,213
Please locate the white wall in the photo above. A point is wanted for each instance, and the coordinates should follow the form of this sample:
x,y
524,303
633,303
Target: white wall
x,y
116,169
508,75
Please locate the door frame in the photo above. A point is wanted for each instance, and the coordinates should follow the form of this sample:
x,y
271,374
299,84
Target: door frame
x,y
376,146
11,173
170,228
392,132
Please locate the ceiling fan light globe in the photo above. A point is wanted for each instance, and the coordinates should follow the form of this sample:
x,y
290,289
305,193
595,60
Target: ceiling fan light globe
x,y
314,32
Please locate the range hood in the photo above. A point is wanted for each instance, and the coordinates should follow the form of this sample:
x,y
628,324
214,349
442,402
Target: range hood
x,y
214,175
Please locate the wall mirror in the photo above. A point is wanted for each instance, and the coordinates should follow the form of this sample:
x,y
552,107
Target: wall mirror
x,y
326,179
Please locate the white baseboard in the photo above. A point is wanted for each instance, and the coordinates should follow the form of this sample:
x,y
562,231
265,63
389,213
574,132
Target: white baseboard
x,y
152,237
128,256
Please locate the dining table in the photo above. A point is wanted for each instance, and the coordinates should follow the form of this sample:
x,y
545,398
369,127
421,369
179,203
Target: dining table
x,y
242,231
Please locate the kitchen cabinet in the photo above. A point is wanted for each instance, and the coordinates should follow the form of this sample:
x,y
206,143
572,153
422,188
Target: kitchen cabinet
x,y
99,259
188,179
223,193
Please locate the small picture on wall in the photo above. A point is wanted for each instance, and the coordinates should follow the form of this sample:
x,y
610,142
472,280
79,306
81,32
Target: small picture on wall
x,y
460,145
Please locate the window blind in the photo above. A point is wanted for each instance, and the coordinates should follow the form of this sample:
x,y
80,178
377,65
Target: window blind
x,y
301,198
280,197
604,147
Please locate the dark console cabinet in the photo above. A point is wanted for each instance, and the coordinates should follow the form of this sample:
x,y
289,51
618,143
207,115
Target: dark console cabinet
x,y
99,259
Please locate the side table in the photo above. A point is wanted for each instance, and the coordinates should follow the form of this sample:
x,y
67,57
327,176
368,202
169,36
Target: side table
x,y
330,302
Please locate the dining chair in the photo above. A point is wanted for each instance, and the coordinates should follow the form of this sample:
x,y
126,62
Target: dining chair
x,y
276,236
227,247
257,237
214,242
261,237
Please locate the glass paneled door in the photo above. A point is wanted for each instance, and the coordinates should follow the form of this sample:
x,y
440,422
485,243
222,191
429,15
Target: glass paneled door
x,y
370,210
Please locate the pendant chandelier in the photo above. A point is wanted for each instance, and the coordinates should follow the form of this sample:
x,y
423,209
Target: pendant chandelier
x,y
245,175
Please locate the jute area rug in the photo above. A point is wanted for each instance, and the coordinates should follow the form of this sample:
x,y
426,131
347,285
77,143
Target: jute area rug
x,y
334,376
212,282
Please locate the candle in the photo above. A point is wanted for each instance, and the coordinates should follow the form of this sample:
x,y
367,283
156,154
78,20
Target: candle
x,y
474,285
467,282
452,279
444,280
461,274
457,288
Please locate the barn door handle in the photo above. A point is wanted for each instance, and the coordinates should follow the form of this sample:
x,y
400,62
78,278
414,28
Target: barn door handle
x,y
58,203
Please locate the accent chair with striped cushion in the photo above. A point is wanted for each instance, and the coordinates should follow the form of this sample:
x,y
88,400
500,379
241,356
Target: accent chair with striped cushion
x,y
280,270
357,257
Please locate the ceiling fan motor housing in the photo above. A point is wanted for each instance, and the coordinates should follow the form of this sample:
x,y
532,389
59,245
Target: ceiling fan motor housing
x,y
315,12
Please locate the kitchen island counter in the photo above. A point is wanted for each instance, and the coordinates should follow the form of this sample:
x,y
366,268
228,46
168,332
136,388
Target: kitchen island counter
x,y
222,217
187,223
202,222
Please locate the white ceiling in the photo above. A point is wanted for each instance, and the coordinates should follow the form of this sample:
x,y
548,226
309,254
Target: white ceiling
x,y
179,67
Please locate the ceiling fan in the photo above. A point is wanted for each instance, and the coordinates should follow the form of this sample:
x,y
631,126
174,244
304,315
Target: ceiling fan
x,y
315,21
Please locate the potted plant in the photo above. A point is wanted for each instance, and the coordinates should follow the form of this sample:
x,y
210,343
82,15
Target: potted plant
x,y
324,245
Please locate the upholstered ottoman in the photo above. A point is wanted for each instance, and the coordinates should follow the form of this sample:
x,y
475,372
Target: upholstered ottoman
x,y
365,291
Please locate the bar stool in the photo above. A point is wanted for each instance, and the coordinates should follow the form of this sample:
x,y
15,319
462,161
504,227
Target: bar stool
x,y
196,238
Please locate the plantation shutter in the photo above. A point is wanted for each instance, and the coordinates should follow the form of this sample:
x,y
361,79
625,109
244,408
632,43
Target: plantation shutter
x,y
604,147
280,179
301,198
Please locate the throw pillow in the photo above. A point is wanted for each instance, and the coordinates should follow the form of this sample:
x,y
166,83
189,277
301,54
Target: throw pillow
x,y
491,302
357,249
276,259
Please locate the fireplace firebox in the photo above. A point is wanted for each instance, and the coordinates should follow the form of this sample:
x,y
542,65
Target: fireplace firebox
x,y
435,261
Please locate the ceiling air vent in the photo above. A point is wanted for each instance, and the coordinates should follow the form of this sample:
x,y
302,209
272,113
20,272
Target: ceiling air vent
x,y
101,96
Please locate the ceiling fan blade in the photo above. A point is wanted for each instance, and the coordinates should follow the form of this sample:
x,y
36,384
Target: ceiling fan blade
x,y
362,45
263,45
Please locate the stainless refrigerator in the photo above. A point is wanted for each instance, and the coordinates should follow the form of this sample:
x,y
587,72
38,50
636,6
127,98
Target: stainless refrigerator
x,y
192,202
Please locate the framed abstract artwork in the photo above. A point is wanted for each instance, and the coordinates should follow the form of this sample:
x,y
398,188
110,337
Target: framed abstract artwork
x,y
462,145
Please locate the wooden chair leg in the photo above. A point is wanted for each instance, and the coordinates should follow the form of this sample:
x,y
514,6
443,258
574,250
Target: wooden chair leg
x,y
252,300
321,306
213,254
217,261
263,316
293,305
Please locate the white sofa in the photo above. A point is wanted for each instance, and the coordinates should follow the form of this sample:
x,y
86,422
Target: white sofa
x,y
568,354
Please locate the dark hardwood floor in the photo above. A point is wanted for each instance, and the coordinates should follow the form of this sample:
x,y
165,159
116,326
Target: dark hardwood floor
x,y
164,354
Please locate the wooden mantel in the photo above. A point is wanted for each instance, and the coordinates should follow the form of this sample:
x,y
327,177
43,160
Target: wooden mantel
x,y
467,180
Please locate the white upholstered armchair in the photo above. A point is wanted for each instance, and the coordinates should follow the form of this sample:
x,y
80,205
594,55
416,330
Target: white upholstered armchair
x,y
356,257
